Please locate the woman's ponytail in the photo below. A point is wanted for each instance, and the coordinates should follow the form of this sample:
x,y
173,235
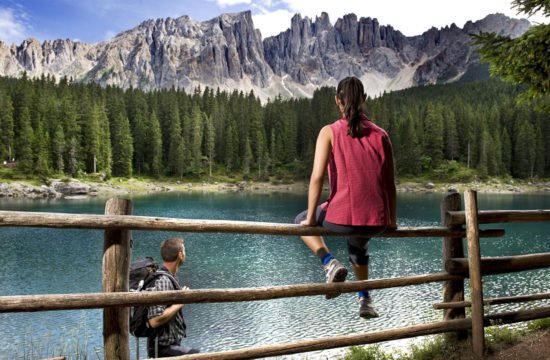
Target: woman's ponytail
x,y
351,94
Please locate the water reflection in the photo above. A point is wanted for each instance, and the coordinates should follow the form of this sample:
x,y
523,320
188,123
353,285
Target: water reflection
x,y
38,261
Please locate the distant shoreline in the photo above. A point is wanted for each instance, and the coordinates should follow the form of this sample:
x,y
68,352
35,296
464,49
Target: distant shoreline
x,y
75,188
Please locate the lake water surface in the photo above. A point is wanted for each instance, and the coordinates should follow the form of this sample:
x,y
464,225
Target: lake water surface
x,y
50,261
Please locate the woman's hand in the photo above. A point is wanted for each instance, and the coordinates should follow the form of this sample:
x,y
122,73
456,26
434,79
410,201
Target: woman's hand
x,y
308,222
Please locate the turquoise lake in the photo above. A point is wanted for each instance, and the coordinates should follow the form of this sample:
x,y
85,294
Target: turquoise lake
x,y
51,261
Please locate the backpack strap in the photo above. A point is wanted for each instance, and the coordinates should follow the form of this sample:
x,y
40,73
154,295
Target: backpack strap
x,y
174,281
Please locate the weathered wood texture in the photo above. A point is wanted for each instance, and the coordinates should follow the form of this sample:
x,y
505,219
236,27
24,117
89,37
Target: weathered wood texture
x,y
494,301
367,338
27,303
116,269
453,291
500,264
333,342
474,262
90,221
500,216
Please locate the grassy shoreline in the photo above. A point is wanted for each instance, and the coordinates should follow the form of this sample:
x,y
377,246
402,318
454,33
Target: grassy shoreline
x,y
21,186
502,342
143,185
140,187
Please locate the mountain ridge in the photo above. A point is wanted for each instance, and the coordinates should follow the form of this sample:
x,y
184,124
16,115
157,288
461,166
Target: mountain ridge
x,y
227,52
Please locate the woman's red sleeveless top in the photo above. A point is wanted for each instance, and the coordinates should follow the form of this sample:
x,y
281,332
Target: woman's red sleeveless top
x,y
359,176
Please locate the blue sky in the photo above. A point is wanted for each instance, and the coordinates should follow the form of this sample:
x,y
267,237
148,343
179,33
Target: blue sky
x,y
92,21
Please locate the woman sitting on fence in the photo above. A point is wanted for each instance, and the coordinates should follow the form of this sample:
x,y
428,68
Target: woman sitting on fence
x,y
359,158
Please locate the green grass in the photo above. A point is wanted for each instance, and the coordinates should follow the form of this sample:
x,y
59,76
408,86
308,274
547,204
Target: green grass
x,y
438,347
447,347
539,325
73,345
367,353
498,335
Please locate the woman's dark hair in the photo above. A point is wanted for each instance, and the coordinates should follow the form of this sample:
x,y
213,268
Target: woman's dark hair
x,y
351,94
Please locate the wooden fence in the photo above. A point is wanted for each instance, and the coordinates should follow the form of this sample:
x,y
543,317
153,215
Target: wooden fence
x,y
115,298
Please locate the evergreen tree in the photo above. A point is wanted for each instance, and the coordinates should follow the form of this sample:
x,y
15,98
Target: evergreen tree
x,y
91,137
7,134
485,148
71,128
23,142
450,140
539,153
137,110
58,149
525,59
176,159
197,125
524,154
545,124
154,146
105,160
433,129
218,116
408,152
210,143
72,155
121,145
41,146
231,146
247,159
497,166
506,152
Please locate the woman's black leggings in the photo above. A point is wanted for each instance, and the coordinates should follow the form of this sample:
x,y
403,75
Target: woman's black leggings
x,y
358,246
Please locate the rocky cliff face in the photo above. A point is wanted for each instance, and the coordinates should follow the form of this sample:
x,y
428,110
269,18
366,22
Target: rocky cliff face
x,y
184,53
227,52
319,53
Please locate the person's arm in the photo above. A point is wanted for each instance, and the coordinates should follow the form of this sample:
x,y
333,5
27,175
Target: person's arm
x,y
160,318
166,316
320,161
390,178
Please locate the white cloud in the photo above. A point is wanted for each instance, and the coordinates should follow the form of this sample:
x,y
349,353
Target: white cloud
x,y
224,3
13,28
410,17
272,23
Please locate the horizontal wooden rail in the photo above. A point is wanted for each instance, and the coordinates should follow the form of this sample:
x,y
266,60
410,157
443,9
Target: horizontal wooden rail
x,y
500,264
517,316
333,342
90,221
368,338
494,301
500,216
27,303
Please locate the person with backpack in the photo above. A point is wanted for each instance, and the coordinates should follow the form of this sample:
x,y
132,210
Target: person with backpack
x,y
167,320
358,157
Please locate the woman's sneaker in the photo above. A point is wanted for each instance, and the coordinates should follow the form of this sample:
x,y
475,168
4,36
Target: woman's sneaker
x,y
366,310
334,272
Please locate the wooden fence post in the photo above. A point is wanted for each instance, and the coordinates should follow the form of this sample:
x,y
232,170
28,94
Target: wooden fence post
x,y
116,268
452,248
474,261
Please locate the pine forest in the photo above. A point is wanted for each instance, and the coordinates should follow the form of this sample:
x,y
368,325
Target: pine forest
x,y
60,128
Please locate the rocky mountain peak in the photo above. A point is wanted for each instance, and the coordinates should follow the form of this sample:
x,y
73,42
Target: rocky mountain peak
x,y
500,24
229,53
322,23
